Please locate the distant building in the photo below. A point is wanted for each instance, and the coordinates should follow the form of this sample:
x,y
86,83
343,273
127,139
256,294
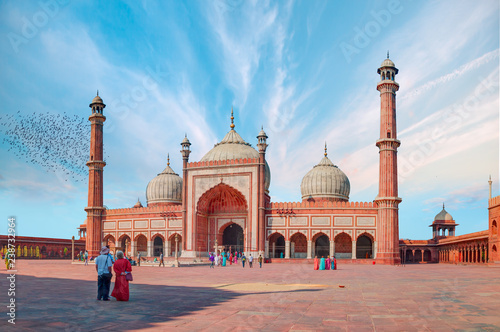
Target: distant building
x,y
478,248
41,247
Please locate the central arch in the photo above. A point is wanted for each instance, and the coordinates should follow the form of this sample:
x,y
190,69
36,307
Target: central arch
x,y
218,209
232,238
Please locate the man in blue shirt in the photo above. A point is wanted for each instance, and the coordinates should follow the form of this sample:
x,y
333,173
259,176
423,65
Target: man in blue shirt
x,y
103,265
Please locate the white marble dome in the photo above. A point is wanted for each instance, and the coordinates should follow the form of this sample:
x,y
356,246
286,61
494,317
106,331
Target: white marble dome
x,y
233,146
387,63
325,181
166,187
443,216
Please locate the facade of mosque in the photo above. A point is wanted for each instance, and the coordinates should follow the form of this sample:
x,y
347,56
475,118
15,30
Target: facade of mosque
x,y
222,201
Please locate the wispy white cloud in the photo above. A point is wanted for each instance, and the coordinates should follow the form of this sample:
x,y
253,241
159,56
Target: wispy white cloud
x,y
476,63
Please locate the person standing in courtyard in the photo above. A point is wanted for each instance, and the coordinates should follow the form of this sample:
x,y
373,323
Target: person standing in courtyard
x,y
138,258
231,259
211,258
161,260
224,259
110,254
322,263
334,263
328,263
122,267
250,261
86,257
243,259
103,266
260,261
316,263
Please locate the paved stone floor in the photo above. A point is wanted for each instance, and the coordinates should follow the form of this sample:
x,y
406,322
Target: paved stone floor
x,y
56,295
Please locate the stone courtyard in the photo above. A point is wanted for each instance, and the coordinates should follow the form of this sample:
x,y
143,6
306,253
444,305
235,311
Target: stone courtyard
x,y
56,295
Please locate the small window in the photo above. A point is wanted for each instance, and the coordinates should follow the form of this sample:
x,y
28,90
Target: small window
x,y
388,134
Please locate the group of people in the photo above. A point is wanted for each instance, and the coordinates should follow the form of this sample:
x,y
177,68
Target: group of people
x,y
84,257
224,258
104,265
325,264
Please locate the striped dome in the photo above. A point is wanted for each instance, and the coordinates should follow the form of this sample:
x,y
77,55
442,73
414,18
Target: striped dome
x,y
325,181
165,188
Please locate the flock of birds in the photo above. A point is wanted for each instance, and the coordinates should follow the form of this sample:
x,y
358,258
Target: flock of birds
x,y
59,143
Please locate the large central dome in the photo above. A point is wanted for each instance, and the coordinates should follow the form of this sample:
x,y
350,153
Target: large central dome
x,y
232,147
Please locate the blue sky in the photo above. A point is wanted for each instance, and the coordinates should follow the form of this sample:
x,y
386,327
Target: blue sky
x,y
304,70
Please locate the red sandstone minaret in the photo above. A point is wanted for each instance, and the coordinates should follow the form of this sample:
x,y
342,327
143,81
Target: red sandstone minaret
x,y
262,145
185,151
387,199
95,207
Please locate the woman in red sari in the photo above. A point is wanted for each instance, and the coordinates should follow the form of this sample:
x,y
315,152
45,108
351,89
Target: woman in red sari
x,y
316,263
121,266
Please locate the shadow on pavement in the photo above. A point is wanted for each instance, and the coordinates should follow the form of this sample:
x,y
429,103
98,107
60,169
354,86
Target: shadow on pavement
x,y
48,304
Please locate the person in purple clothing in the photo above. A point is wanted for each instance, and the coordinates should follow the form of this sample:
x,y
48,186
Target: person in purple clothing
x,y
211,258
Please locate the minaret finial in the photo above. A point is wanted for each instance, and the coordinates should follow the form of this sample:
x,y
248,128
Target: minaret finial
x,y
232,119
326,150
443,205
98,92
387,54
168,159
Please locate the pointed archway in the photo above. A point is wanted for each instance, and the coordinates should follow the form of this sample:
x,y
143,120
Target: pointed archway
x,y
220,207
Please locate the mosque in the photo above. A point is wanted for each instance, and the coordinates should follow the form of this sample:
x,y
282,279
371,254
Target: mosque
x,y
222,201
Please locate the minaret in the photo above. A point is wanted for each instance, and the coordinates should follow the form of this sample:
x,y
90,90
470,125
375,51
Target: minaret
x,y
262,146
95,207
387,199
489,184
185,151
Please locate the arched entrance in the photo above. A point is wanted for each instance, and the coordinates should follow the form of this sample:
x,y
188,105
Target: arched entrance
x,y
322,246
142,246
277,246
343,246
110,241
157,246
418,256
364,247
220,205
427,255
172,245
125,245
298,246
232,238
409,256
